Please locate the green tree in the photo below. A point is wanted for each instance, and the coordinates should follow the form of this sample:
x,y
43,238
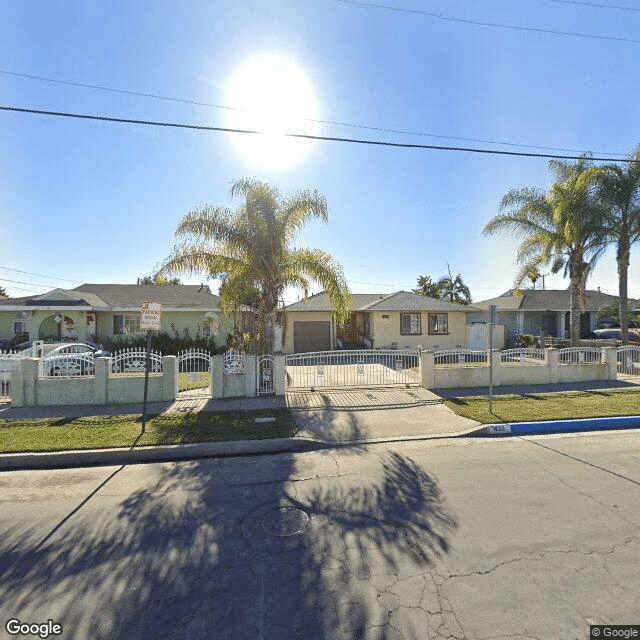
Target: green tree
x,y
158,279
3,292
561,228
251,247
427,287
618,190
454,289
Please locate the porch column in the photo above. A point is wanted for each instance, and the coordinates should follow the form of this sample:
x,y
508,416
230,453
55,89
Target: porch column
x,y
520,322
560,324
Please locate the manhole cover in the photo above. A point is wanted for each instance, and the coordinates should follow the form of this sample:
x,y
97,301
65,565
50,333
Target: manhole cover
x,y
286,521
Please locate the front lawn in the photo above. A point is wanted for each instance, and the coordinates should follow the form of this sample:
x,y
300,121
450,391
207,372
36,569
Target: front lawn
x,y
557,406
103,432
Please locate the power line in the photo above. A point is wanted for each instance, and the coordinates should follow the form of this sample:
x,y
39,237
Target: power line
x,y
40,275
314,120
304,136
596,4
31,284
481,23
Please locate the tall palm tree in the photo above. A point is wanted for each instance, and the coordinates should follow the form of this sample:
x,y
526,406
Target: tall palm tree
x,y
250,248
618,189
561,228
454,289
427,287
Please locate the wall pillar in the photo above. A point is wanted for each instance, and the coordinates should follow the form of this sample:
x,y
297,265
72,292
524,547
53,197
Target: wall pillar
x,y
217,380
250,368
426,370
103,367
552,365
495,363
611,360
29,376
169,378
279,373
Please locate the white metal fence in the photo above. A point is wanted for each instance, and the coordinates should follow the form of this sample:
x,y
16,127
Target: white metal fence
x,y
8,362
580,355
352,368
133,360
67,365
523,357
461,357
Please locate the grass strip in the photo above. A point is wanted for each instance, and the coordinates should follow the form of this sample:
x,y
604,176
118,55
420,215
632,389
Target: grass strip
x,y
557,406
104,432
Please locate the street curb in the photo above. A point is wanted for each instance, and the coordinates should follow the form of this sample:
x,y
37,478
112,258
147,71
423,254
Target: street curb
x,y
161,453
558,426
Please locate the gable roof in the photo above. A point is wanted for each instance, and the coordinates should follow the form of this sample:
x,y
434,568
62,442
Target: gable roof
x,y
122,296
397,301
546,300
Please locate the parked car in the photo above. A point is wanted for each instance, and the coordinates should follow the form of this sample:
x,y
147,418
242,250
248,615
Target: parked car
x,y
613,323
74,359
615,334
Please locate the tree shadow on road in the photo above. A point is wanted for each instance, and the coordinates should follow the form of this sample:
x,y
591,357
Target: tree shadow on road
x,y
186,554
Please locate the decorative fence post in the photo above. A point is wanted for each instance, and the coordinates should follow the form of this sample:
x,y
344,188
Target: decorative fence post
x,y
102,369
611,360
552,362
495,363
217,380
279,374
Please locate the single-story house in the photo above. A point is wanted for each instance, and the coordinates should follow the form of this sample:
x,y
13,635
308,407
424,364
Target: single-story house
x,y
544,311
393,320
112,310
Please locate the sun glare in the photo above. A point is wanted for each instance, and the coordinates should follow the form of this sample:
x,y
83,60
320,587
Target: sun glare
x,y
273,96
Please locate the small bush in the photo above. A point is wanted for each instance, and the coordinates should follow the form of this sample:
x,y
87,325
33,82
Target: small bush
x,y
165,343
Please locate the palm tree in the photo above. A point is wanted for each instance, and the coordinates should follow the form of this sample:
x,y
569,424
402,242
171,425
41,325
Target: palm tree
x,y
618,189
561,228
427,287
250,248
454,289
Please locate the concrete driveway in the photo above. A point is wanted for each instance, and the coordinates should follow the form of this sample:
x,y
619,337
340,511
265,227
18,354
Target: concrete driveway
x,y
360,415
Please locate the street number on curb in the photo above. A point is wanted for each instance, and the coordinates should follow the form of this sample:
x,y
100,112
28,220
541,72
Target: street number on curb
x,y
499,428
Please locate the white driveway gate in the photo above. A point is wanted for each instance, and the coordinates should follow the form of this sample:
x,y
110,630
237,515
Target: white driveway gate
x,y
355,368
629,360
194,373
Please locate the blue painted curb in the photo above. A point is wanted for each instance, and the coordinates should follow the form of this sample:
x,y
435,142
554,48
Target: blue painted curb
x,y
553,426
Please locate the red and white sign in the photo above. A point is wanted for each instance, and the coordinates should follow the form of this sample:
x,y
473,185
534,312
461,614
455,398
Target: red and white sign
x,y
150,316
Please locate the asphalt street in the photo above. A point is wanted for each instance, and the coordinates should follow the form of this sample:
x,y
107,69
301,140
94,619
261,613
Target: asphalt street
x,y
530,537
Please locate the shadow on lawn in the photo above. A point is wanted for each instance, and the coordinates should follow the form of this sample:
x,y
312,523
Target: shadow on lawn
x,y
185,555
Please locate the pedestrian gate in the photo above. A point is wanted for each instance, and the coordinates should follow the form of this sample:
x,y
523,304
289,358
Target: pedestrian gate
x,y
194,373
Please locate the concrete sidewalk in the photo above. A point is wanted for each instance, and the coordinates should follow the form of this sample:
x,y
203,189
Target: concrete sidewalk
x,y
326,418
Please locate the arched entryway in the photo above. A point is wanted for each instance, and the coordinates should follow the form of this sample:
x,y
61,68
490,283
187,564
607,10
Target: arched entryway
x,y
58,327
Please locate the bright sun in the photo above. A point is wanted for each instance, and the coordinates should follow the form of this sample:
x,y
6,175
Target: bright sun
x,y
274,97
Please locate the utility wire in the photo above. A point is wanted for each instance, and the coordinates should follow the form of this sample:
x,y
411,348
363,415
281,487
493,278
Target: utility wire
x,y
30,273
31,284
481,23
596,4
156,96
304,136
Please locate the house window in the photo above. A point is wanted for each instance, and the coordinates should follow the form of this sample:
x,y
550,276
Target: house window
x,y
126,323
410,324
438,323
19,326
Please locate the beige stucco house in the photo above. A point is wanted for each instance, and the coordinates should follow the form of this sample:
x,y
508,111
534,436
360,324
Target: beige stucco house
x,y
396,320
111,310
545,311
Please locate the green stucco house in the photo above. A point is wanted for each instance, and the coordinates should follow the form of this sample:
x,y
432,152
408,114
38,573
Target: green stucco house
x,y
110,310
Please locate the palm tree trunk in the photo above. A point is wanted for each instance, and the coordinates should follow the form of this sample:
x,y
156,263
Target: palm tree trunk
x,y
623,271
574,307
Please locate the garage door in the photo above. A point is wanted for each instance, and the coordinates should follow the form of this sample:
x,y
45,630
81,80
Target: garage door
x,y
311,336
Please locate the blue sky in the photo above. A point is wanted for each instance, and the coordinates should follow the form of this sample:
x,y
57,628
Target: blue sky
x,y
86,201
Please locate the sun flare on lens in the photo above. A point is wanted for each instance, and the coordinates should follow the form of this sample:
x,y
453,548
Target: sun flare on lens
x,y
271,94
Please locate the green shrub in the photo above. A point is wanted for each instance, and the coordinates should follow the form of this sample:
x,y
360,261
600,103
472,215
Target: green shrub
x,y
165,343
